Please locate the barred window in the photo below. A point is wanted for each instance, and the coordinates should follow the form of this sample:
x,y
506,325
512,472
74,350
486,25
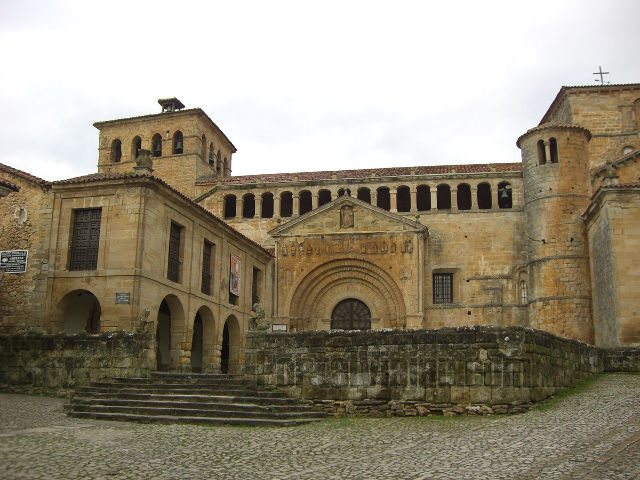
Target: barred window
x,y
173,268
443,288
523,292
206,268
85,239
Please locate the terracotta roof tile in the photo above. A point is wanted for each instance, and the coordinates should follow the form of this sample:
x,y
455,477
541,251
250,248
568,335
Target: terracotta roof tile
x,y
551,125
364,173
99,177
24,175
10,185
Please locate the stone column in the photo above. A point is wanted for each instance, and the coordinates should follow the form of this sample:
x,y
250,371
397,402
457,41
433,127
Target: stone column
x,y
454,199
258,206
393,196
314,200
496,196
238,206
474,197
434,197
374,197
296,204
413,193
276,205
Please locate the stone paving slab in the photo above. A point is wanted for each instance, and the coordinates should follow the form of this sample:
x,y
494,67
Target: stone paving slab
x,y
592,435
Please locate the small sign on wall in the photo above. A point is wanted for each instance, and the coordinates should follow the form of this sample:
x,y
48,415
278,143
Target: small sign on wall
x,y
123,298
14,261
279,327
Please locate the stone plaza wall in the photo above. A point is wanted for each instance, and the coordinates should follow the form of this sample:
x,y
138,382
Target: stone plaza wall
x,y
498,368
54,362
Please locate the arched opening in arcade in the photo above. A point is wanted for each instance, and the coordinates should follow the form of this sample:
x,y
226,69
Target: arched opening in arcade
x,y
231,344
202,341
78,312
170,318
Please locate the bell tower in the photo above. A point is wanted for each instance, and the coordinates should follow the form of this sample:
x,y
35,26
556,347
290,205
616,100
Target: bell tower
x,y
556,191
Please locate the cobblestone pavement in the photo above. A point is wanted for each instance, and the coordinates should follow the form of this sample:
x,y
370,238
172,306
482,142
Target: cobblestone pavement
x,y
591,435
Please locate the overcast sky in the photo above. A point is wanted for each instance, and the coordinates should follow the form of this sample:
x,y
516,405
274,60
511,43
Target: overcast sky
x,y
302,85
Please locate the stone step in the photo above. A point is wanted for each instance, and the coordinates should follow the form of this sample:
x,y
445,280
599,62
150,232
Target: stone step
x,y
223,406
205,380
193,420
164,376
184,411
106,387
189,397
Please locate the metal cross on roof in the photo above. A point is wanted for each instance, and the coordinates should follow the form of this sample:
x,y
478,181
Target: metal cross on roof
x,y
602,74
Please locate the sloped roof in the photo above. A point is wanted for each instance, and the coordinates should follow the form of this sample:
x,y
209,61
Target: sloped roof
x,y
362,173
24,175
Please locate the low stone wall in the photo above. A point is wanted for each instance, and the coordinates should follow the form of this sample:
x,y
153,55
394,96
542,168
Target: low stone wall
x,y
621,359
491,369
36,361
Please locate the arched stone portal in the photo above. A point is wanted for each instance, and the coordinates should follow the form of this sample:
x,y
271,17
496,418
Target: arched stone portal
x,y
312,303
351,314
78,312
231,344
170,321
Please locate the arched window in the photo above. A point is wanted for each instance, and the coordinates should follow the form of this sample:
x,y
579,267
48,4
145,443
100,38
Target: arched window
x,y
230,206
156,145
324,196
553,150
484,196
444,197
504,195
364,194
524,294
248,205
423,198
542,154
305,202
136,145
628,149
267,205
286,204
464,197
225,167
116,151
636,105
351,314
384,198
177,143
211,158
403,199
203,146
218,164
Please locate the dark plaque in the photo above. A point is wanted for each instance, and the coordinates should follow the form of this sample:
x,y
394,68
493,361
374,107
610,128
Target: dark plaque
x,y
13,261
123,298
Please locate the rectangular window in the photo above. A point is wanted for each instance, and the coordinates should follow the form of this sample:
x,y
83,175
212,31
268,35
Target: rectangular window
x,y
443,288
256,291
173,268
85,239
207,256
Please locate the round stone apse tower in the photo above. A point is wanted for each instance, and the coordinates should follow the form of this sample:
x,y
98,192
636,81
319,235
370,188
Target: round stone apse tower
x,y
556,191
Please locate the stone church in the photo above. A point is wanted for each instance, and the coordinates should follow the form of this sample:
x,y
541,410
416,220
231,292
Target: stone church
x,y
164,233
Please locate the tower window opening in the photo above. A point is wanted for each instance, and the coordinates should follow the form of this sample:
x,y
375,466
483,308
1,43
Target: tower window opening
x,y
177,143
218,163
464,197
484,196
542,153
286,204
403,199
203,146
444,197
267,205
364,194
156,145
553,150
116,151
136,146
384,198
230,206
423,198
505,199
305,202
211,158
324,196
248,205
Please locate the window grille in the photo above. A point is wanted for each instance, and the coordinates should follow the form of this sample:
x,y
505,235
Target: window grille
x,y
523,292
173,269
206,269
85,239
443,288
351,314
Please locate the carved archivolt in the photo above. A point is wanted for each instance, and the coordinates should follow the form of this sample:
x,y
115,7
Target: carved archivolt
x,y
325,286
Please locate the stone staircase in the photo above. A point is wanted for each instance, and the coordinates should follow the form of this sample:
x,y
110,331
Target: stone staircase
x,y
211,399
